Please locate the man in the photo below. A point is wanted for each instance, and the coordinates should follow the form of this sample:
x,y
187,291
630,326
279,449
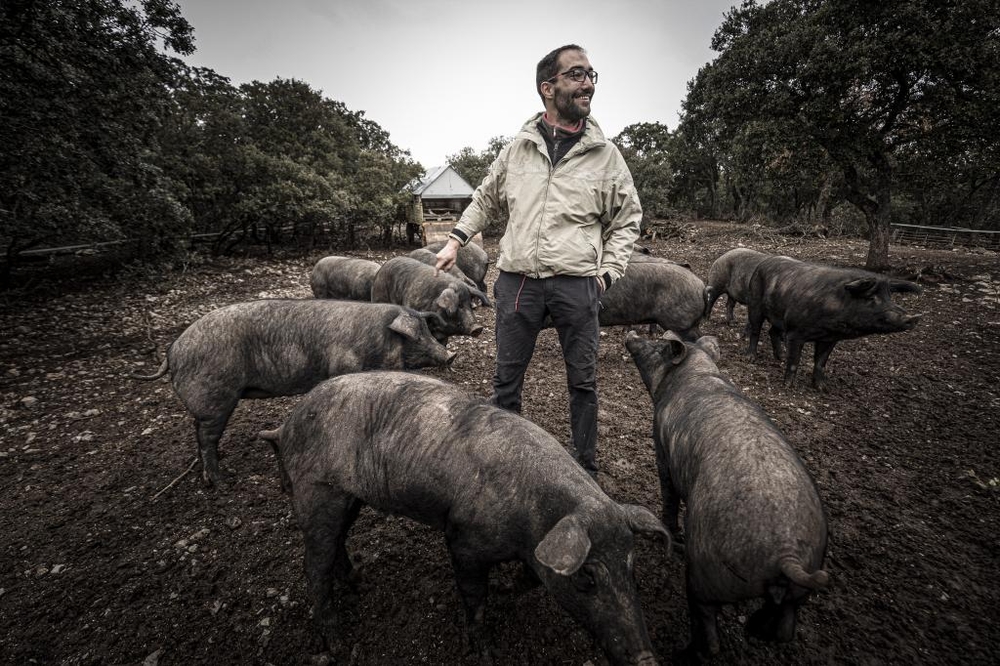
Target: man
x,y
573,216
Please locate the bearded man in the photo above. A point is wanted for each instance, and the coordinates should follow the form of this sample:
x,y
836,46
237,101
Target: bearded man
x,y
573,217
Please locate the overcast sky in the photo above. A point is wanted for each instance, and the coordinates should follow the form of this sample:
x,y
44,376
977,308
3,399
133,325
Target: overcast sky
x,y
440,75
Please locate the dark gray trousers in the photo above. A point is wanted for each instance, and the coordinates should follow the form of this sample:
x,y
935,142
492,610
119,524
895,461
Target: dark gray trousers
x,y
522,305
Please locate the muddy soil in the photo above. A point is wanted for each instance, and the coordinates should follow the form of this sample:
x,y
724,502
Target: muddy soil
x,y
112,554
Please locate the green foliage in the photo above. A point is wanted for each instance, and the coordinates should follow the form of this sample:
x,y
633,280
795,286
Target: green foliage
x,y
82,89
276,161
814,100
472,165
646,148
105,137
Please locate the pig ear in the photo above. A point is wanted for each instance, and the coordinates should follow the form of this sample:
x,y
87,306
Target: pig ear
x,y
675,351
710,345
448,300
564,549
904,287
861,286
406,325
642,521
481,296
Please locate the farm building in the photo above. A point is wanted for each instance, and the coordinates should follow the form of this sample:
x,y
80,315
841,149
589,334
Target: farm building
x,y
439,197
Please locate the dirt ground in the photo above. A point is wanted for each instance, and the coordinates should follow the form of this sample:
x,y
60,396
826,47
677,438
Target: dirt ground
x,y
111,555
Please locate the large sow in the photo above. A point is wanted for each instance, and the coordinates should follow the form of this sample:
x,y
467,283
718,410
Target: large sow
x,y
499,487
407,281
754,526
806,302
262,349
343,277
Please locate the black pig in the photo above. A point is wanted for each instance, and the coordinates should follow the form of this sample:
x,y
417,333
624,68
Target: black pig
x,y
268,348
806,302
498,486
406,281
343,277
656,292
472,260
423,255
730,275
754,526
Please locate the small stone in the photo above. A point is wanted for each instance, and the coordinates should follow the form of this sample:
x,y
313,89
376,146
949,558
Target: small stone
x,y
29,401
233,522
58,569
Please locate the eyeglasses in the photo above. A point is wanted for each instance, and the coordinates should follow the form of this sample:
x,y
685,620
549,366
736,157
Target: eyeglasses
x,y
577,74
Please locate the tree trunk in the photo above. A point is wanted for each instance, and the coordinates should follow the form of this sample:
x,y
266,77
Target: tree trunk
x,y
876,206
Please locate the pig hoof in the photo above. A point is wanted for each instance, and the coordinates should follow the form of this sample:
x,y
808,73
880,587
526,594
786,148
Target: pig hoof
x,y
219,478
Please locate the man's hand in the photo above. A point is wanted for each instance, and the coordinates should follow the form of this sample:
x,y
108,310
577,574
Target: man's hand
x,y
446,257
600,285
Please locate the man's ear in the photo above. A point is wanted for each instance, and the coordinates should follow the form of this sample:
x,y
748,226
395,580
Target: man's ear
x,y
548,89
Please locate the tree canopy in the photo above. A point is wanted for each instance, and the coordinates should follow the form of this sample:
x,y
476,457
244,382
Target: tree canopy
x,y
810,108
106,136
851,88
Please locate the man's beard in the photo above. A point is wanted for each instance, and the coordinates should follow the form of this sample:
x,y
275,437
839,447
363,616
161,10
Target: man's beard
x,y
569,110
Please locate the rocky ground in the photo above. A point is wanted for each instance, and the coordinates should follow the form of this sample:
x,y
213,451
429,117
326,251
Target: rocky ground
x,y
112,554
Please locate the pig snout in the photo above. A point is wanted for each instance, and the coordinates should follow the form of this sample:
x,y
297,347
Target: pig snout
x,y
476,331
450,358
646,659
898,320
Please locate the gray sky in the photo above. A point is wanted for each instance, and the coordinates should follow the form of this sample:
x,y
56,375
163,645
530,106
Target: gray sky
x,y
440,75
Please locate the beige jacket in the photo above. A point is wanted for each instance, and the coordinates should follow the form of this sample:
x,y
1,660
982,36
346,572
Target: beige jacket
x,y
579,217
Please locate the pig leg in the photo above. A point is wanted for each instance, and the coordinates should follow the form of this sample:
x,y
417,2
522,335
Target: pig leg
x,y
775,334
325,515
821,356
774,622
730,307
472,579
208,432
755,321
704,628
795,345
671,500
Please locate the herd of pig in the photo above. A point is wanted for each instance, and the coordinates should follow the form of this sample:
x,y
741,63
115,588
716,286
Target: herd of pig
x,y
501,488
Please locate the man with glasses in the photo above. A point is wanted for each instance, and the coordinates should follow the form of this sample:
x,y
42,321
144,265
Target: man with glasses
x,y
573,216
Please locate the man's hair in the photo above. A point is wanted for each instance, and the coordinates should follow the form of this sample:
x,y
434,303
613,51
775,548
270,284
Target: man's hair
x,y
549,66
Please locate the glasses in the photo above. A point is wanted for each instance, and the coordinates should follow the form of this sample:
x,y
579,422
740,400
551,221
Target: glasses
x,y
577,74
